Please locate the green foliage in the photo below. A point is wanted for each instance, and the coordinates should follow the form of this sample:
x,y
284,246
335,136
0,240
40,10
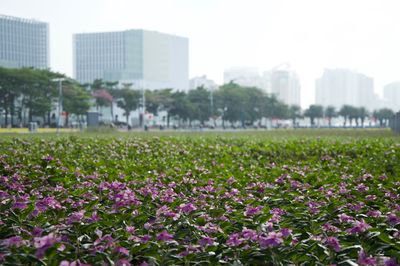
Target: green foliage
x,y
95,199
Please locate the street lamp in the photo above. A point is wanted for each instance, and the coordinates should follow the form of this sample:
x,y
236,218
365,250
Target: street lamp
x,y
59,80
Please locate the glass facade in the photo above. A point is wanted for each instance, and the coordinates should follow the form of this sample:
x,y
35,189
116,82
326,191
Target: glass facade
x,y
134,56
23,43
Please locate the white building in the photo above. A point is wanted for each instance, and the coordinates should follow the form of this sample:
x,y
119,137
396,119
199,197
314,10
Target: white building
x,y
144,58
281,81
391,93
202,81
285,84
23,43
338,87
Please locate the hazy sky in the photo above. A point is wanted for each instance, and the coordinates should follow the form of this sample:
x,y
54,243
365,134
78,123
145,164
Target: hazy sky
x,y
362,35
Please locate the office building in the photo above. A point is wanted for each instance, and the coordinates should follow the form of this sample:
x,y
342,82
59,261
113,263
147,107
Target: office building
x,y
23,43
391,93
338,87
143,58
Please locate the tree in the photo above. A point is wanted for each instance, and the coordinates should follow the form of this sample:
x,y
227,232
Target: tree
x,y
330,112
229,100
314,111
345,112
198,100
76,100
182,109
362,113
294,113
128,100
383,115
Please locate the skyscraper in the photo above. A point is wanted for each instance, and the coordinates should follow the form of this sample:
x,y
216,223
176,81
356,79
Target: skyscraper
x,y
285,85
144,58
337,87
391,93
23,42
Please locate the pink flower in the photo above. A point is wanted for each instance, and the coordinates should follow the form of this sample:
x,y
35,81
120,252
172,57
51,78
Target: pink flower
x,y
164,236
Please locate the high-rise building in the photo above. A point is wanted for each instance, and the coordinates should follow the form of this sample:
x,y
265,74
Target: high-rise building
x,y
23,42
391,93
284,84
143,58
338,87
202,81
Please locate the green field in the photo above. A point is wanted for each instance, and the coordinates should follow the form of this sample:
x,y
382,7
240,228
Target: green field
x,y
277,197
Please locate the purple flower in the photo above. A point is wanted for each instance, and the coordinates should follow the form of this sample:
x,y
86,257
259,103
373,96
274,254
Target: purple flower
x,y
21,202
359,227
393,219
187,208
44,243
145,239
206,241
374,213
234,240
333,242
273,239
391,262
130,229
76,217
344,218
251,211
331,228
249,234
363,259
37,231
164,236
122,250
123,262
285,232
14,241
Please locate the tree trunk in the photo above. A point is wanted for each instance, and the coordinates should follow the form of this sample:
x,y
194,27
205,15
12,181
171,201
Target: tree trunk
x,y
6,117
330,121
112,111
167,119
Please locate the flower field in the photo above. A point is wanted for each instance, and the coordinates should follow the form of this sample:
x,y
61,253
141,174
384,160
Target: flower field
x,y
198,201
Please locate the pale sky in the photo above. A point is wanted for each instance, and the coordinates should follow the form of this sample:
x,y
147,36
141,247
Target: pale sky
x,y
311,35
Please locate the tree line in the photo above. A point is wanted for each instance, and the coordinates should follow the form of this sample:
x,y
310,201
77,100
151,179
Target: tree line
x,y
27,94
